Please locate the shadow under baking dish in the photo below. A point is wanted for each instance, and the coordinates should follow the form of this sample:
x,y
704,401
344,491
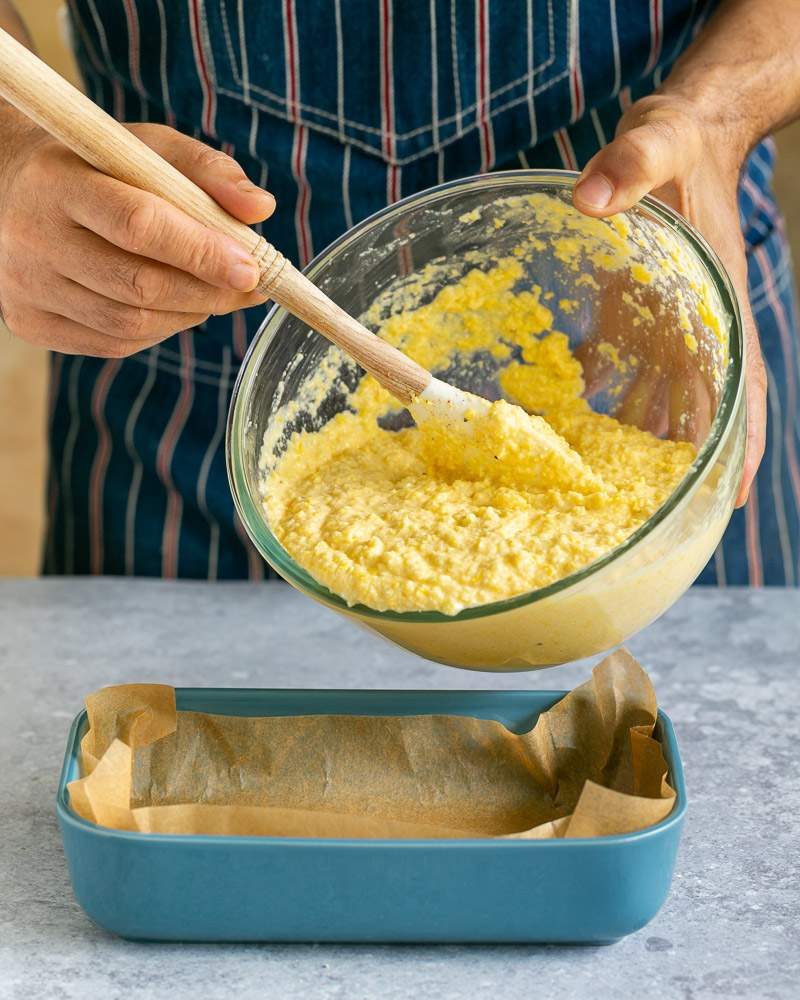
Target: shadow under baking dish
x,y
215,888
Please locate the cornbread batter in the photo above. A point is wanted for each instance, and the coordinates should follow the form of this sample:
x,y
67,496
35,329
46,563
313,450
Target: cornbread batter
x,y
411,520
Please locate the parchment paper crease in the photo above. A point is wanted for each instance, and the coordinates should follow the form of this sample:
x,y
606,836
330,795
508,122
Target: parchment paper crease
x,y
589,767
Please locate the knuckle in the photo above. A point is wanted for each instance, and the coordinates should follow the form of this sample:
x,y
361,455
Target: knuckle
x,y
42,165
136,224
147,284
205,256
207,158
134,324
657,121
638,110
639,148
140,324
663,129
38,186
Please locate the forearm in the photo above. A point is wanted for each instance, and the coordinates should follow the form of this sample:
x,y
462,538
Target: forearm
x,y
742,72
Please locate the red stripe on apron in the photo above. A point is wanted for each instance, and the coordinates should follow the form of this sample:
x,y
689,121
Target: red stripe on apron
x,y
299,152
300,142
290,27
52,394
565,150
656,33
239,335
575,74
203,74
134,53
100,464
387,100
166,449
483,110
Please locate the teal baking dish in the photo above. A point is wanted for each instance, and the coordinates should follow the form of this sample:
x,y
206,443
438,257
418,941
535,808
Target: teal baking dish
x,y
203,888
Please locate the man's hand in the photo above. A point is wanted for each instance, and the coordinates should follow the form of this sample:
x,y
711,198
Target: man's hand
x,y
665,147
737,82
89,265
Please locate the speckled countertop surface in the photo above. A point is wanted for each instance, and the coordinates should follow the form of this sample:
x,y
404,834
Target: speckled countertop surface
x,y
726,666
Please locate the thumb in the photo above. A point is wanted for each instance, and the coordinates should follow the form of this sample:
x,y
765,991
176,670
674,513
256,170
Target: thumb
x,y
637,162
214,171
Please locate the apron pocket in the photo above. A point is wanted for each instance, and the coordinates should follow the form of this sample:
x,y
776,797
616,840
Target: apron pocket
x,y
396,79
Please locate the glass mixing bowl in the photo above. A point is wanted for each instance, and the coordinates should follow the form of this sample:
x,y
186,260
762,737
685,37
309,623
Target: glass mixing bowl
x,y
668,309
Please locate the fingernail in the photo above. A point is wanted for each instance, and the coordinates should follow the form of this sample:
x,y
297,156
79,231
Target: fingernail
x,y
243,276
595,192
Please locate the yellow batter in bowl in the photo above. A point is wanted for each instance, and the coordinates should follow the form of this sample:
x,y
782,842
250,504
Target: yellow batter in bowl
x,y
327,472
414,520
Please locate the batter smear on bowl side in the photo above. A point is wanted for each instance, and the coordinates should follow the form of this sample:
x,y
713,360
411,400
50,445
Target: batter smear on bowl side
x,y
421,519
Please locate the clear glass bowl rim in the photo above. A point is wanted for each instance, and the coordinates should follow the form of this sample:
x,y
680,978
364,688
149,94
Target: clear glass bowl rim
x,y
256,524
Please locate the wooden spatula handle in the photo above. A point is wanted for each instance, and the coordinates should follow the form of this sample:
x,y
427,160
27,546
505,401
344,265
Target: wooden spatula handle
x,y
68,115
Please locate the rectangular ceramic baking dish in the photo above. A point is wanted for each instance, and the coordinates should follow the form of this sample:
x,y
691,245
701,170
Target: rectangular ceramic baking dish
x,y
204,888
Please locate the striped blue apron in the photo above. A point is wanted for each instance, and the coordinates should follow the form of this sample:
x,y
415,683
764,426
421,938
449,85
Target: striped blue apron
x,y
340,107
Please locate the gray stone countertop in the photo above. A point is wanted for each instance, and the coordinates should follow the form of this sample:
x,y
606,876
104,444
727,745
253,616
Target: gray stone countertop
x,y
726,667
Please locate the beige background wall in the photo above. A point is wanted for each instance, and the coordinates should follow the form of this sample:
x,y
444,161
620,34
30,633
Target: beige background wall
x,y
23,368
23,382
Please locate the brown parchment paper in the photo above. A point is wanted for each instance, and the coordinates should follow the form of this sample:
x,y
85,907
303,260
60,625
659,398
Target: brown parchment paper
x,y
589,767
